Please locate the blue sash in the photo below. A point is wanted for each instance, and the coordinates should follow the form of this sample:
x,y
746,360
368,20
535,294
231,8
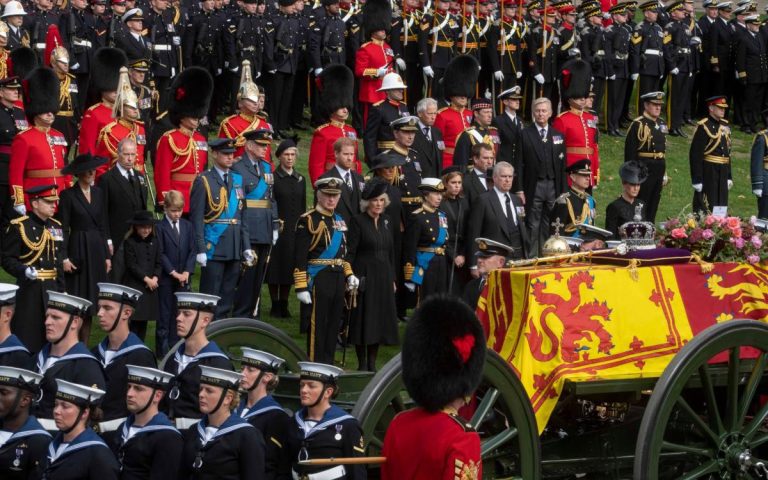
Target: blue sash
x,y
589,220
328,254
423,258
261,188
214,231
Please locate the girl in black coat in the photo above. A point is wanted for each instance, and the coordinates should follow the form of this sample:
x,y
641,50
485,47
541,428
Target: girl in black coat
x,y
142,254
456,209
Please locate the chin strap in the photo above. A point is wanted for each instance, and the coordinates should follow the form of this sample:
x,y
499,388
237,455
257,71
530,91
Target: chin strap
x,y
117,319
66,329
149,403
218,404
194,326
320,397
256,382
77,420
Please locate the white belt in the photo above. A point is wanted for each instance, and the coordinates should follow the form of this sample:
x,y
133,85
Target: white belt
x,y
161,48
652,51
110,425
185,423
330,474
40,46
600,52
82,43
48,424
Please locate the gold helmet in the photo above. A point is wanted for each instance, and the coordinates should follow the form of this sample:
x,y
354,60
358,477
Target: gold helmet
x,y
248,90
126,97
54,47
4,30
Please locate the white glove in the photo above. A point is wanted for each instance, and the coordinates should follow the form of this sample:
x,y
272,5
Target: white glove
x,y
318,71
352,282
20,209
410,286
304,297
675,71
218,72
400,64
202,259
539,78
758,192
256,75
249,255
275,236
698,187
612,77
429,72
519,74
606,15
381,71
176,40
76,66
234,70
498,75
690,74
272,72
30,273
730,184
634,76
488,95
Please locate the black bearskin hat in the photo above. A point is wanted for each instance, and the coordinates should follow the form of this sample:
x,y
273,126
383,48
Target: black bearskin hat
x,y
41,92
577,79
190,94
105,69
335,86
443,352
23,60
377,15
461,77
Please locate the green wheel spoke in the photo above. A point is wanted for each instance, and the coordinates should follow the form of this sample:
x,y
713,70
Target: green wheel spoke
x,y
397,404
677,448
751,388
487,403
497,440
759,440
757,421
709,392
732,395
376,442
710,467
697,420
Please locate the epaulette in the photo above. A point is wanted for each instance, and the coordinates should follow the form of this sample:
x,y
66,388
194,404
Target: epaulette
x,y
70,76
308,212
93,107
229,118
563,113
54,221
491,127
162,115
378,103
320,127
702,121
469,128
418,210
637,119
363,45
18,220
443,109
464,425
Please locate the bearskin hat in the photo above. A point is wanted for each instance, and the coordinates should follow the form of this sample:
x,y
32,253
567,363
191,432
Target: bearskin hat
x,y
41,92
577,79
377,15
105,69
335,86
23,61
190,94
443,352
461,77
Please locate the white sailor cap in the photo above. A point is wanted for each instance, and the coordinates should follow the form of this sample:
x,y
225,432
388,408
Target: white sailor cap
x,y
740,10
219,377
78,394
319,371
68,303
431,185
752,19
262,360
7,294
725,5
574,241
196,301
513,93
151,377
20,378
118,293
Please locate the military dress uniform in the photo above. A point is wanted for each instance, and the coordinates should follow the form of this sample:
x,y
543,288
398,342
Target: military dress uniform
x,y
580,131
78,31
596,51
710,162
575,208
438,35
619,37
408,179
244,40
369,58
752,69
721,58
759,172
646,144
542,59
94,120
36,22
281,56
112,134
12,121
37,156
70,108
150,451
404,40
468,138
236,126
180,156
647,58
321,154
13,353
165,39
452,122
378,135
679,63
506,43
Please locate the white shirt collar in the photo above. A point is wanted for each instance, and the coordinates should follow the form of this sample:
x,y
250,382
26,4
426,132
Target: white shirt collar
x,y
122,170
220,171
511,115
343,172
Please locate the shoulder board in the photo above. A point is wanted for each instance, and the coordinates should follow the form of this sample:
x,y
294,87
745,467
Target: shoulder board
x,y
17,221
54,221
378,103
492,128
320,127
365,44
71,76
308,212
464,425
442,109
229,118
93,107
468,129
418,210
637,119
702,121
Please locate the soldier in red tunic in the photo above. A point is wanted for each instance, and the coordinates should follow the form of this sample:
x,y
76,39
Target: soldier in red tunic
x,y
38,153
578,125
126,124
182,153
249,118
335,103
443,356
374,59
459,86
105,73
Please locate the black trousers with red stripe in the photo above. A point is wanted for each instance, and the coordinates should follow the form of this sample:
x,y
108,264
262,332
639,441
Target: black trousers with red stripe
x,y
321,320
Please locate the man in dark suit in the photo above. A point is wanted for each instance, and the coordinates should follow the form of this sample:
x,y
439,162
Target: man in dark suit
x,y
428,143
499,215
133,42
509,125
540,175
125,190
477,181
349,204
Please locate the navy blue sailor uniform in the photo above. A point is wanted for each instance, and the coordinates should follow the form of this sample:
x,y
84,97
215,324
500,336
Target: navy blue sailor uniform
x,y
181,400
269,417
131,352
424,241
23,453
148,452
337,434
13,353
216,211
235,451
87,456
262,219
78,365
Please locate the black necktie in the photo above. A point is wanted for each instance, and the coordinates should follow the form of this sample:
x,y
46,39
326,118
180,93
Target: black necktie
x,y
176,229
348,181
226,180
543,133
510,218
130,176
426,133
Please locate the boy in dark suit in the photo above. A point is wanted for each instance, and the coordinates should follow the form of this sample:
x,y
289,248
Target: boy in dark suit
x,y
178,260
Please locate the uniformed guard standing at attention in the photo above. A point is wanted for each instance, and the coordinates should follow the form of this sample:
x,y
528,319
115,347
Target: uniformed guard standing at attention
x,y
216,212
281,58
195,314
378,133
25,443
409,167
244,39
259,378
162,26
443,357
323,430
148,98
646,144
148,445
13,353
752,71
459,85
202,45
426,234
481,131
576,206
510,125
375,58
12,121
710,158
438,35
321,270
758,171
620,40
32,253
647,58
70,102
679,62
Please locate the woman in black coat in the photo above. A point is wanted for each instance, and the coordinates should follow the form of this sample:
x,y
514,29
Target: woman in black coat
x,y
290,191
83,216
372,254
456,208
142,255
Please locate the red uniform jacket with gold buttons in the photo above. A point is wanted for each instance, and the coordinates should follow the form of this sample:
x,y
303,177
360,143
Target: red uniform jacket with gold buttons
x,y
369,58
580,130
321,155
95,118
179,158
112,134
235,126
451,123
37,157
